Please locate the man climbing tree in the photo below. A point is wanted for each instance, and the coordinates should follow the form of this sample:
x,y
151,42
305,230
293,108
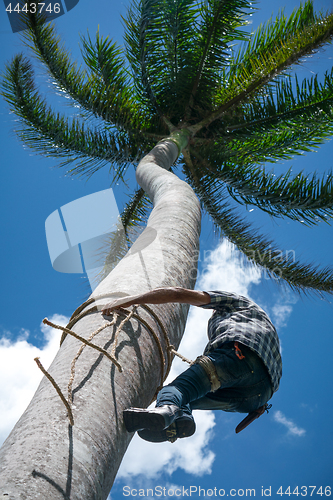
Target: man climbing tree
x,y
193,92
239,371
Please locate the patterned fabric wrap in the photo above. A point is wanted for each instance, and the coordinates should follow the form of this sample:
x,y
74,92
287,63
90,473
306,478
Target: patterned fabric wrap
x,y
237,318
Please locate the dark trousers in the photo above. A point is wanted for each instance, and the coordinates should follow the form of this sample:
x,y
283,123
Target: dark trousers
x,y
245,383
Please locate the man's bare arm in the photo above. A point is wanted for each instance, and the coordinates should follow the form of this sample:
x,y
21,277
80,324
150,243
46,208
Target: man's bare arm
x,y
160,296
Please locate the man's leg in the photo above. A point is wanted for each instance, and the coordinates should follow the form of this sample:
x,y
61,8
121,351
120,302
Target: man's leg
x,y
245,382
172,416
190,385
195,388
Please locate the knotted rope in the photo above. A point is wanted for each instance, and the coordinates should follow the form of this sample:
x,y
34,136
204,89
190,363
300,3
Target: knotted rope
x,y
79,313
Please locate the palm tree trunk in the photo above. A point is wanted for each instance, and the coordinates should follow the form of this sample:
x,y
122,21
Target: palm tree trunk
x,y
46,458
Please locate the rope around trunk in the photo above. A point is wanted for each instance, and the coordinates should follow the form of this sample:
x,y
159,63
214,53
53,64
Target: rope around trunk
x,y
78,314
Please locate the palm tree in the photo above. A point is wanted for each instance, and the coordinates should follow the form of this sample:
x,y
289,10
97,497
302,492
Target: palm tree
x,y
221,101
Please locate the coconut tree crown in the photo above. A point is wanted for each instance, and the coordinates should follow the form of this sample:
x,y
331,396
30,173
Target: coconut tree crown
x,y
190,66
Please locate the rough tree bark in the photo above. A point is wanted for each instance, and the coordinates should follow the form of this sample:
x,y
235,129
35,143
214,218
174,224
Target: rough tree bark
x,y
46,458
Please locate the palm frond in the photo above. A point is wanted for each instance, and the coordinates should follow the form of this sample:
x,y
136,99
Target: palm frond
x,y
304,111
54,135
283,143
165,48
113,103
135,211
132,220
218,28
286,101
114,247
110,83
272,50
142,17
302,198
290,119
105,60
256,247
176,47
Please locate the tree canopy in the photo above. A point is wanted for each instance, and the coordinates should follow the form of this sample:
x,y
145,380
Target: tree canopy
x,y
193,66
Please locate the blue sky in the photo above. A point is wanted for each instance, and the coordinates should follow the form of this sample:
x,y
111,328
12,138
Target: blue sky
x,y
292,446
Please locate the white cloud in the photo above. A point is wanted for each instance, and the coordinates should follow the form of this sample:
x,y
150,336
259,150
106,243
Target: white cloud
x,y
225,269
281,313
289,424
282,309
19,373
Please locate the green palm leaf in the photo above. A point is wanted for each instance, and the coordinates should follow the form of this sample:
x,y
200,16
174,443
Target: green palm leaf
x,y
287,100
161,51
54,135
132,220
289,119
135,211
218,28
272,50
142,17
94,93
176,50
302,198
256,247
